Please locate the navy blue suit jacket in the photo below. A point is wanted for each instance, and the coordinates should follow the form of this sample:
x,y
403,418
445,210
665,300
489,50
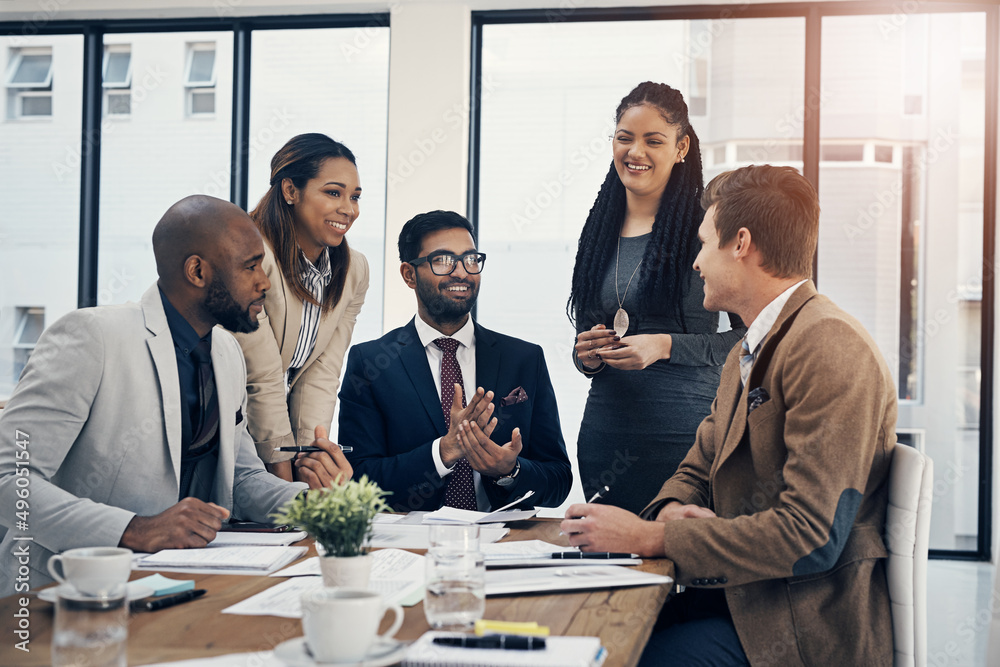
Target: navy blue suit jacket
x,y
391,414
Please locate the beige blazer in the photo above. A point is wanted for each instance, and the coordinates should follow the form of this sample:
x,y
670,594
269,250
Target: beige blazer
x,y
798,481
277,420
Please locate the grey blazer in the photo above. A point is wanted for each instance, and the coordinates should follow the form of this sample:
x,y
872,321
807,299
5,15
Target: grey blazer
x,y
92,437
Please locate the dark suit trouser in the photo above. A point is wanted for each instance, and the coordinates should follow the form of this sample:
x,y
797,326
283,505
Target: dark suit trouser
x,y
695,630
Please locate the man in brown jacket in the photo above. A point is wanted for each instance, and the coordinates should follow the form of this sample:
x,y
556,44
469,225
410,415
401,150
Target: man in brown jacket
x,y
774,518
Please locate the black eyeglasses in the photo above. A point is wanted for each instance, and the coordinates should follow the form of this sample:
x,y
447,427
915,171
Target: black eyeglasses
x,y
444,263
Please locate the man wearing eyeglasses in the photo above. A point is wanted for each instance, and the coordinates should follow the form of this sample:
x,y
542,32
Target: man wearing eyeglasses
x,y
444,411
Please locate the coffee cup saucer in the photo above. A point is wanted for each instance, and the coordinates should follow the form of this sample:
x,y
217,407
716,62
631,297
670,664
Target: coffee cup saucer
x,y
134,591
295,653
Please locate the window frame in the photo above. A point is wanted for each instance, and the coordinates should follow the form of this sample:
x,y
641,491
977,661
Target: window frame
x,y
16,60
110,50
18,92
116,88
194,88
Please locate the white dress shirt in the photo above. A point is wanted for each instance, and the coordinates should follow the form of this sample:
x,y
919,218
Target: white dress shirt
x,y
466,356
758,330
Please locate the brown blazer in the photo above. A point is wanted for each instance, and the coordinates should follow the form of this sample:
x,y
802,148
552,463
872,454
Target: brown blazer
x,y
274,421
799,487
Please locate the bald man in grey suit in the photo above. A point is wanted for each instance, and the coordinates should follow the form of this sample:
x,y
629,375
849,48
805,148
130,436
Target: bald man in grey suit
x,y
118,435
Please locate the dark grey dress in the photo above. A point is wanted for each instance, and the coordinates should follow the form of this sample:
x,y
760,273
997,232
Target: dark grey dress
x,y
639,425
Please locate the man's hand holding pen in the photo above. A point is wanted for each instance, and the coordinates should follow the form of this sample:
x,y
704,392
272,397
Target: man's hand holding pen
x,y
603,528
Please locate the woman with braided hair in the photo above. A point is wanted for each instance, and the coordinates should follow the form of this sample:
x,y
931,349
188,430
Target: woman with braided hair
x,y
652,351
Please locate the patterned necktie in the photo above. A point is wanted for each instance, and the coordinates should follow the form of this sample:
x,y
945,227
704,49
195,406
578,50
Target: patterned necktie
x,y
461,490
746,361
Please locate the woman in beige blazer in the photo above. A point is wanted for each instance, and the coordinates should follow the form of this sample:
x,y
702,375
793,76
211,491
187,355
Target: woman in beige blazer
x,y
318,285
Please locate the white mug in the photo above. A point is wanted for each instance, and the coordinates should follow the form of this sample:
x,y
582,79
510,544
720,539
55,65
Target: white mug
x,y
94,571
340,624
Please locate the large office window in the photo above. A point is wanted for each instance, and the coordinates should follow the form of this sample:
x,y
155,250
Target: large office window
x,y
545,148
902,226
892,131
159,153
40,206
166,132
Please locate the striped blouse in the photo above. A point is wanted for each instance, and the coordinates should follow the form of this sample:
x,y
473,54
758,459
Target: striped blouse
x,y
316,280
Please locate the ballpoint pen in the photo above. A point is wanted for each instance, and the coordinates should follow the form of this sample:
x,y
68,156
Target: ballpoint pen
x,y
307,449
600,494
594,498
494,641
603,555
163,603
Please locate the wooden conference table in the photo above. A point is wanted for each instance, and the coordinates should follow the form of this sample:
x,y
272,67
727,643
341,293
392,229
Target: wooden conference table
x,y
622,617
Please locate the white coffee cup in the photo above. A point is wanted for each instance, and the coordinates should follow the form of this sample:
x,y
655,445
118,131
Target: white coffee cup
x,y
94,571
340,624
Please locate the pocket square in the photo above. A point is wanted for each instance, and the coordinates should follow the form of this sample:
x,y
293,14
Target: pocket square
x,y
519,395
239,415
757,398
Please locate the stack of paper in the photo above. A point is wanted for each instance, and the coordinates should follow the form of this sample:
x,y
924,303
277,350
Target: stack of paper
x,y
454,515
536,553
220,560
395,575
558,652
235,538
567,578
402,535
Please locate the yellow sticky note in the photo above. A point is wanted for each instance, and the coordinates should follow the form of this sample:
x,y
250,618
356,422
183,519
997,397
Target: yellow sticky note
x,y
484,627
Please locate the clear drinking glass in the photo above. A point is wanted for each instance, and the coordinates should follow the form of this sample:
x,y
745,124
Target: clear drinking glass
x,y
90,631
455,596
454,537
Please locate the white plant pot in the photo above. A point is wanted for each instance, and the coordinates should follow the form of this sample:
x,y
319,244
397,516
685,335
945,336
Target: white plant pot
x,y
350,571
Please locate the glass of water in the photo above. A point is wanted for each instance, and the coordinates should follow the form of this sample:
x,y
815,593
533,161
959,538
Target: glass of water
x,y
455,596
90,631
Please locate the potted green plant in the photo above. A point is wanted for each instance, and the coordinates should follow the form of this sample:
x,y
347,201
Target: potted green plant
x,y
340,519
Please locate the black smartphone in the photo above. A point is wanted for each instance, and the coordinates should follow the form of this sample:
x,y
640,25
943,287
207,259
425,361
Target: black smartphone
x,y
255,527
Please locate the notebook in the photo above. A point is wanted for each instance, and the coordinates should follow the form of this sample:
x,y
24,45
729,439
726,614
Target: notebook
x,y
558,652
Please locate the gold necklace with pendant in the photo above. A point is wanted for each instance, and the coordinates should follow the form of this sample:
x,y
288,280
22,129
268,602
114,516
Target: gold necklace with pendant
x,y
621,317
